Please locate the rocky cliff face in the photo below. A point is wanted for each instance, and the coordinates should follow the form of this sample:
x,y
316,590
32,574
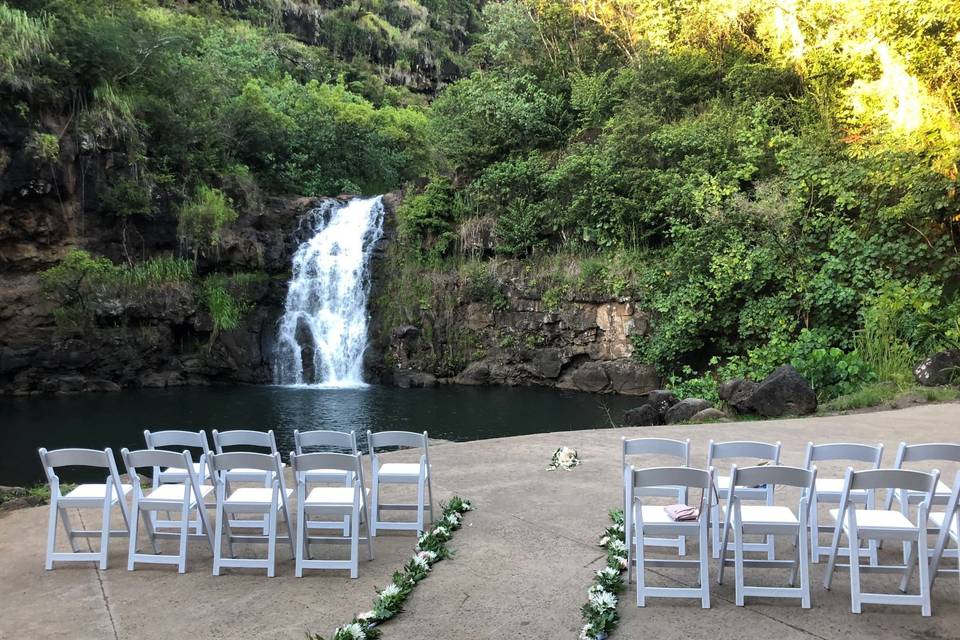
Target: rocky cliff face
x,y
153,341
512,332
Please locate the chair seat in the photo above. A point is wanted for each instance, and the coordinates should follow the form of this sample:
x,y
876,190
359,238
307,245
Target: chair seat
x,y
877,519
723,485
326,473
765,514
177,472
835,486
96,492
252,472
654,514
170,492
335,496
254,495
937,517
942,491
409,469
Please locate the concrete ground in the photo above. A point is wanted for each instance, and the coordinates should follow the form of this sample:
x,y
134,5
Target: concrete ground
x,y
523,562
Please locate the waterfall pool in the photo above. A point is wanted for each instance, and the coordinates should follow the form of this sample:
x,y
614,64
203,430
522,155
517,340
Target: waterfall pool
x,y
117,420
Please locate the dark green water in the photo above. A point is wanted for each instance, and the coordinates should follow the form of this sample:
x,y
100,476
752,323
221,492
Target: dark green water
x,y
118,419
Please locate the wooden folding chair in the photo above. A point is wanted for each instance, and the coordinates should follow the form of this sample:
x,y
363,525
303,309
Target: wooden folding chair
x,y
417,473
679,450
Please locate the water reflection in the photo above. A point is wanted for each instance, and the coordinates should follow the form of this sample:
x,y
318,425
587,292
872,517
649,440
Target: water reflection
x,y
456,413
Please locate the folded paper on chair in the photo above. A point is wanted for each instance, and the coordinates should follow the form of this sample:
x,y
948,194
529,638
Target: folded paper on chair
x,y
682,512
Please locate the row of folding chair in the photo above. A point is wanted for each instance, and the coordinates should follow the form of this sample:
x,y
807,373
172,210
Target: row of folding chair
x,y
179,484
856,517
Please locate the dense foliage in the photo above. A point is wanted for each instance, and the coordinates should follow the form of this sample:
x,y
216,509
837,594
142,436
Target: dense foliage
x,y
776,182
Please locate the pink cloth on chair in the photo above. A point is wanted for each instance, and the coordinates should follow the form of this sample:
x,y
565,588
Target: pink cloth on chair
x,y
682,512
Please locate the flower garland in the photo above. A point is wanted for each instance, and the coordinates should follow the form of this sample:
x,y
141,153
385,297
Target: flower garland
x,y
600,615
431,548
564,458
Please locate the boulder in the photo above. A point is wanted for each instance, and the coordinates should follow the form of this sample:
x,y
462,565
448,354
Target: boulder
x,y
592,377
407,379
631,378
643,416
710,414
661,400
737,394
476,373
685,410
938,369
546,363
783,392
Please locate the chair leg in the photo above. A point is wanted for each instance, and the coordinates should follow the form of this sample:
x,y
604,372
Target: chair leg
x,y
814,530
873,544
151,532
105,531
184,536
354,543
804,572
704,568
430,496
834,550
854,544
924,567
51,533
136,514
374,507
738,557
420,497
715,525
641,571
299,548
272,541
218,540
366,520
905,510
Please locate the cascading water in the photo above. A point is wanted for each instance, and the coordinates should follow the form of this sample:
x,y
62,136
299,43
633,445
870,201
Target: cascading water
x,y
323,331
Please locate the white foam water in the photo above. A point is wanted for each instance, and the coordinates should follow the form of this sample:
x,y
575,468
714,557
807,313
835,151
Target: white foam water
x,y
325,313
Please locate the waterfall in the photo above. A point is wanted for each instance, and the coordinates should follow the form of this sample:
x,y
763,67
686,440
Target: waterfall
x,y
323,331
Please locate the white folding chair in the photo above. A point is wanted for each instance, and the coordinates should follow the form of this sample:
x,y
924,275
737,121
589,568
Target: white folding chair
x,y
947,526
85,496
184,497
269,501
874,524
745,450
925,452
652,520
349,502
333,442
246,439
677,449
178,440
417,473
771,520
829,490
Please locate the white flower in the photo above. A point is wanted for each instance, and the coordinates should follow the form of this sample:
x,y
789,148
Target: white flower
x,y
617,545
421,562
467,505
603,600
441,531
604,540
352,630
390,591
608,572
453,518
587,632
622,561
428,556
366,615
422,539
618,527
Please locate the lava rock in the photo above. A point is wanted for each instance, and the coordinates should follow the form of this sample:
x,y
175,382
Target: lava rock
x,y
643,416
661,400
685,410
737,393
938,369
406,379
783,392
477,373
629,377
710,414
592,377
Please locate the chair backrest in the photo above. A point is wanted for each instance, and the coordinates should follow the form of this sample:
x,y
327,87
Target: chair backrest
x,y
245,460
176,438
771,475
945,451
679,449
671,476
402,439
52,460
155,458
848,451
893,479
322,438
301,462
244,438
743,449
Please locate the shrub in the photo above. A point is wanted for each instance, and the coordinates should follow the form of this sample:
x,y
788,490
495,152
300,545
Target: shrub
x,y
205,215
